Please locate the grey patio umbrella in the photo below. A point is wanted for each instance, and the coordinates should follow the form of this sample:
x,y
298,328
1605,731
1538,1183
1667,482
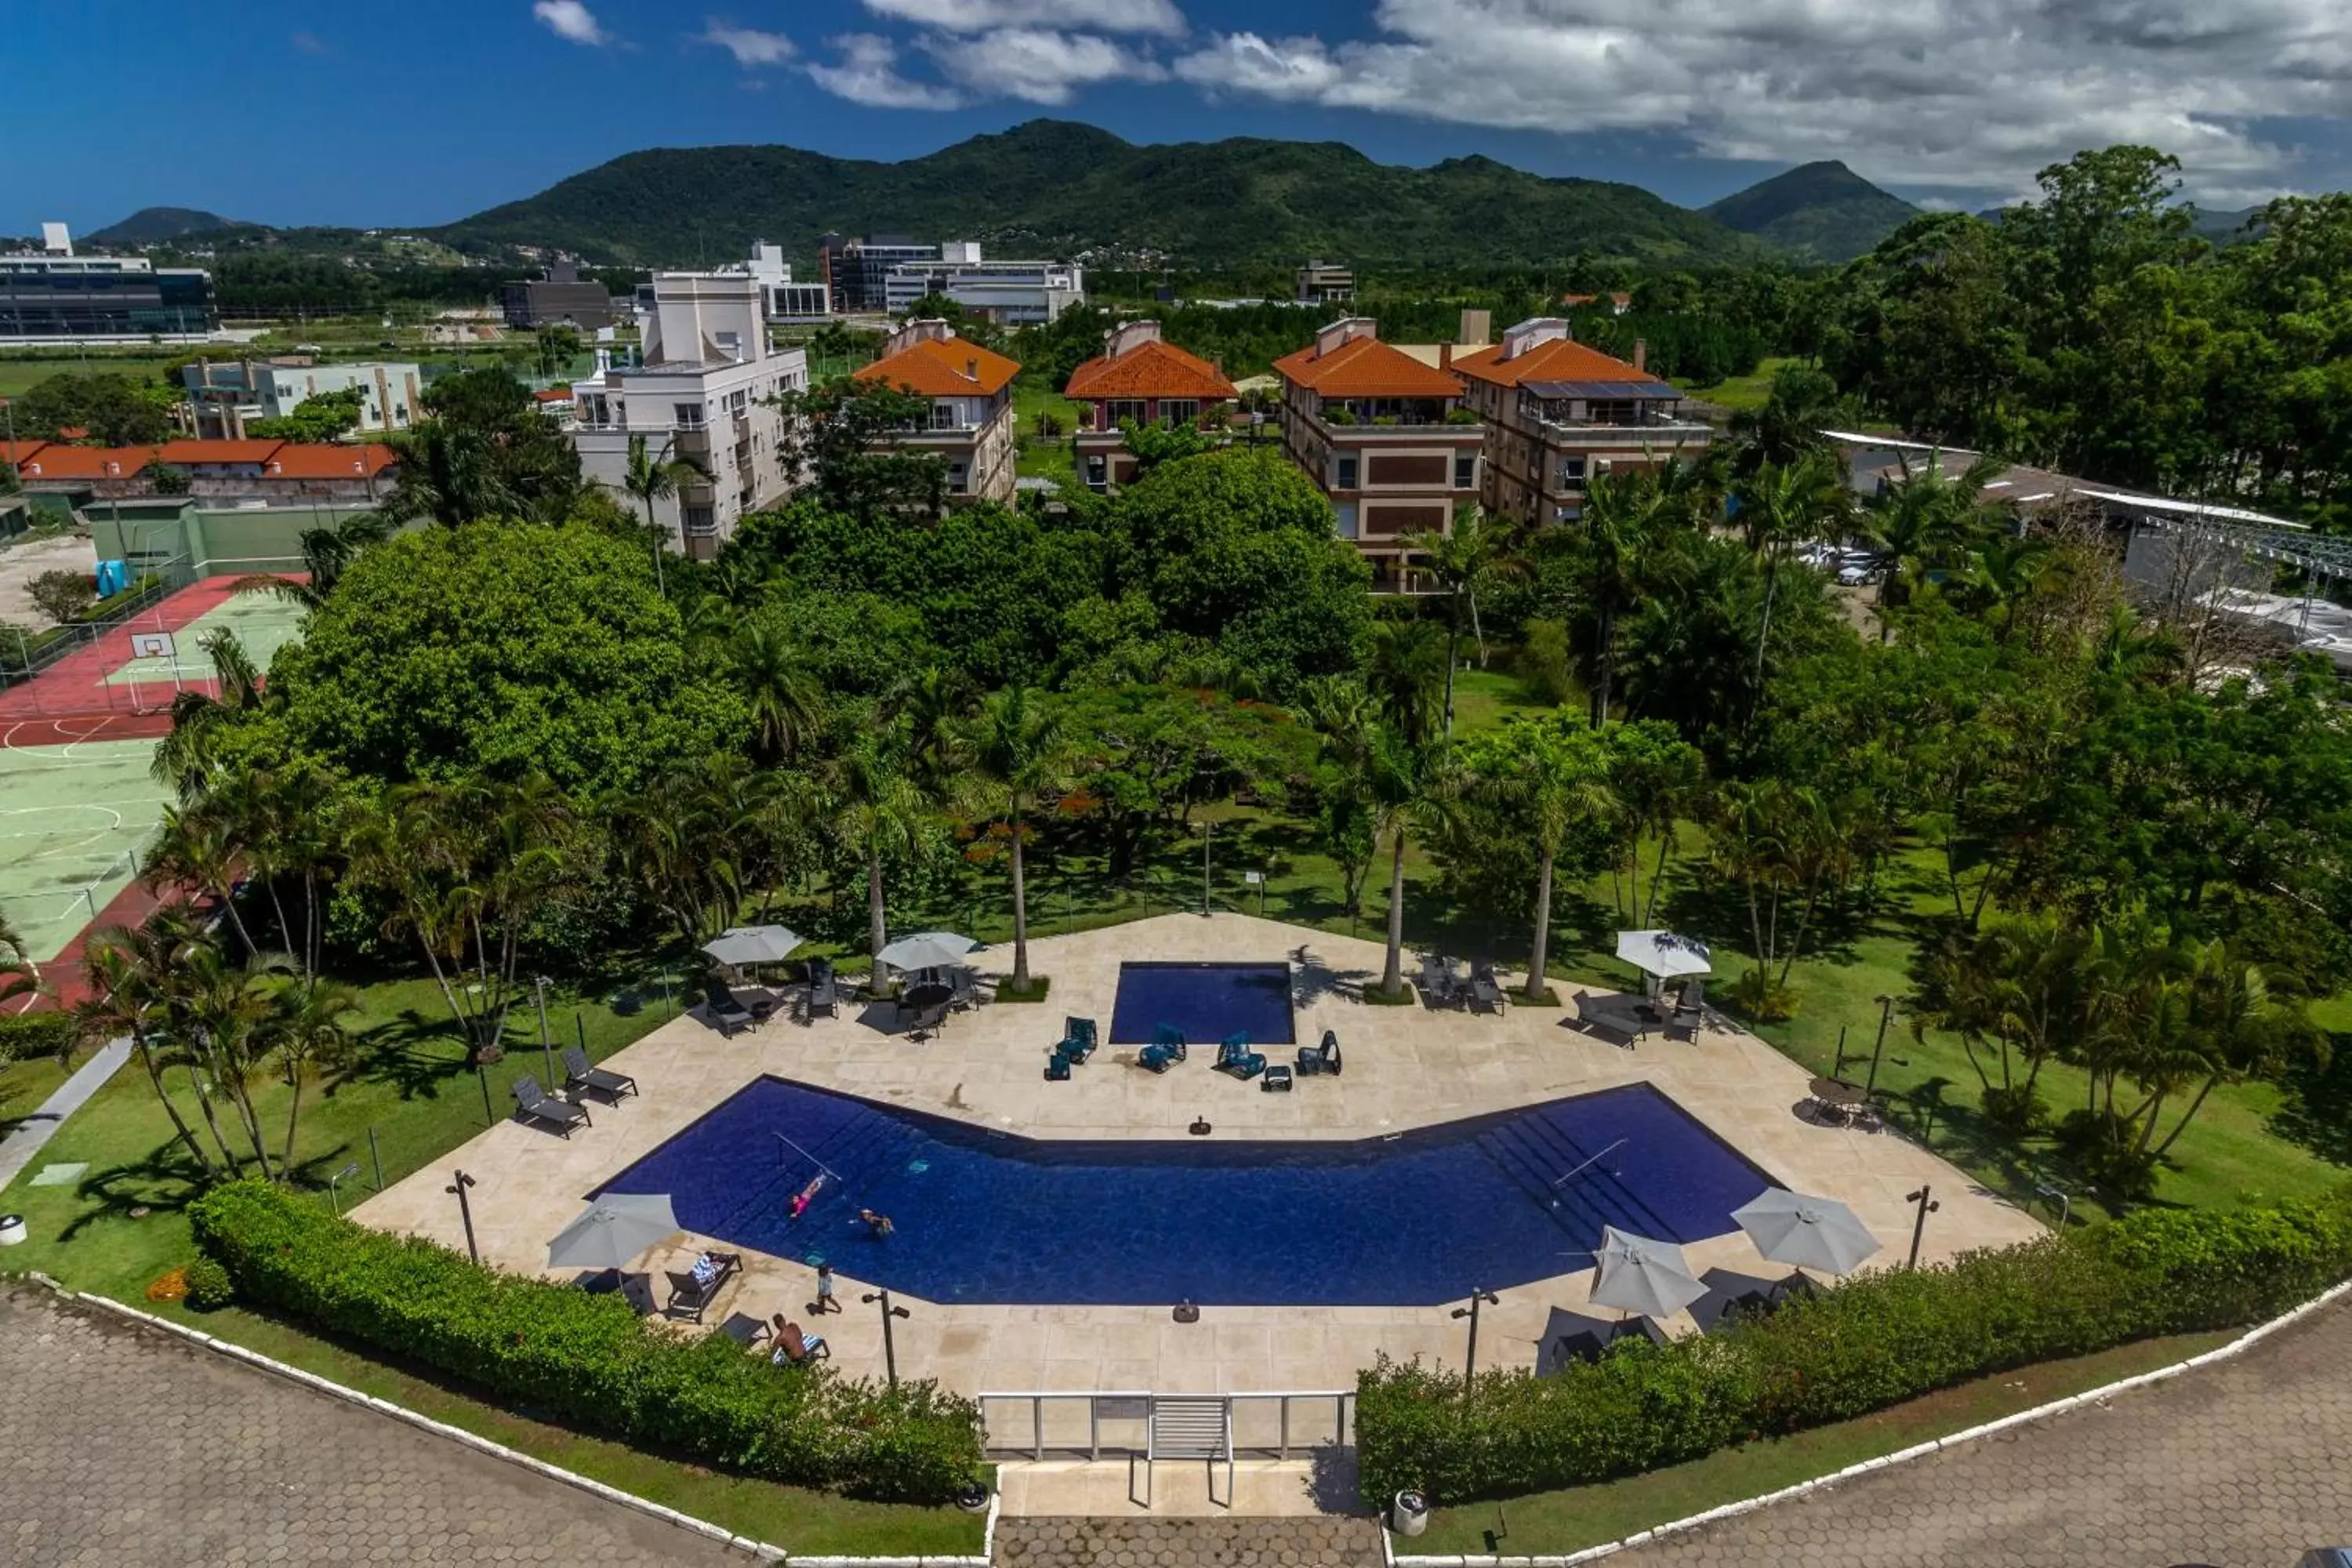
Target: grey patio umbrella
x,y
745,945
927,950
1806,1232
615,1228
1663,955
1639,1275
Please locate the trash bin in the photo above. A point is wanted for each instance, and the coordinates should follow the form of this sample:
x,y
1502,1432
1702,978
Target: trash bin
x,y
1411,1514
12,1229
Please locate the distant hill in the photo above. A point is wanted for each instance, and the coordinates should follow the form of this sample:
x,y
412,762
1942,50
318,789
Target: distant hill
x,y
1069,190
1822,212
2225,228
154,225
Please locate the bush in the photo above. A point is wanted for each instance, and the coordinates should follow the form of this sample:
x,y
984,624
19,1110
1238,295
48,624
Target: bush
x,y
1543,662
1871,1343
588,1359
207,1286
25,1036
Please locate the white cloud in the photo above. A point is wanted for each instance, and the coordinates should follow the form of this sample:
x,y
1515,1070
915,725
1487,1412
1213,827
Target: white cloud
x,y
1969,95
749,46
1159,16
571,19
868,74
1035,65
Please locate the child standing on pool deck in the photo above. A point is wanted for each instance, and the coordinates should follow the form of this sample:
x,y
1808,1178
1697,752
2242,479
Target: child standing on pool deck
x,y
824,1302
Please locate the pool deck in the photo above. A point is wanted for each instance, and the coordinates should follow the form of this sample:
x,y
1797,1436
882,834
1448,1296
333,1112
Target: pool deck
x,y
1405,1067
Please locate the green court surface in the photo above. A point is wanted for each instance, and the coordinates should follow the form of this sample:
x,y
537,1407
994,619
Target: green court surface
x,y
263,623
72,822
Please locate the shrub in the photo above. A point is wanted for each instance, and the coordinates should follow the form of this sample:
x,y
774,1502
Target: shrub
x,y
588,1359
207,1286
1543,662
1460,415
1871,1343
25,1035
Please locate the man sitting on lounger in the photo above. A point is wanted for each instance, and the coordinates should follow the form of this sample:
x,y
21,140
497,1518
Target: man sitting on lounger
x,y
793,1347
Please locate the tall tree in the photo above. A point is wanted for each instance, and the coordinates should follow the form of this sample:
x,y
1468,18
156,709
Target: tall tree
x,y
1474,552
1019,749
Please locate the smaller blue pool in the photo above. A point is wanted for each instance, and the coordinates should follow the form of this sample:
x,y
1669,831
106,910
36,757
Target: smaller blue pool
x,y
1206,1001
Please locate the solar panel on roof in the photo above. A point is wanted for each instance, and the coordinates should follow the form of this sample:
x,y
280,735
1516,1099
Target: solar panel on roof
x,y
1607,390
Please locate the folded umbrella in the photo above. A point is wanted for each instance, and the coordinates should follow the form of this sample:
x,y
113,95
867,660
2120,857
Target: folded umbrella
x,y
616,1227
1639,1275
745,945
1806,1232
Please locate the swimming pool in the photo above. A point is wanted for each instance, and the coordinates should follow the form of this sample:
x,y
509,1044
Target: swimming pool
x,y
987,1217
1206,1001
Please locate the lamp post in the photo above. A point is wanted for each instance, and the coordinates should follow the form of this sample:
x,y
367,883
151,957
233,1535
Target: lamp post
x,y
1885,1015
464,1212
889,1341
1470,1363
1208,830
546,1042
333,1194
1919,1226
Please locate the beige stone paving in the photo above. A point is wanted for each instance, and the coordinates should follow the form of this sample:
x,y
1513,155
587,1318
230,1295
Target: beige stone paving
x,y
1405,1067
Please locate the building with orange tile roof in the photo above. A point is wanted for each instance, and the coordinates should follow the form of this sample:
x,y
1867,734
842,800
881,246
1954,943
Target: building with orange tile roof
x,y
1557,413
1139,378
970,425
1382,435
267,472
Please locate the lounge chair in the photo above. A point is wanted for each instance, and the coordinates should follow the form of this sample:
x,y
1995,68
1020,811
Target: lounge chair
x,y
1058,1068
823,996
796,1349
727,1014
1436,980
1166,1050
965,986
1486,988
689,1298
535,1105
1234,1055
579,1074
928,1021
1599,1024
1078,1040
1314,1060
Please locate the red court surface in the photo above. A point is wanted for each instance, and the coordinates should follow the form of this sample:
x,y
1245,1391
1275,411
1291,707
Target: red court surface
x,y
64,983
23,733
76,686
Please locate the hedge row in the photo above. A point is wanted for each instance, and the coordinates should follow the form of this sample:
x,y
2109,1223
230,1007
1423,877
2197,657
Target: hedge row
x,y
1871,1343
25,1035
589,1360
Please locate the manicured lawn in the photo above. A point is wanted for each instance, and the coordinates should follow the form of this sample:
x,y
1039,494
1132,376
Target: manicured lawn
x,y
1579,1517
19,374
1040,457
1743,393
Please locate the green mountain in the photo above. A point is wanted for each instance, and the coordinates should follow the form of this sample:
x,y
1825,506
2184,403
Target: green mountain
x,y
154,225
1823,212
1064,189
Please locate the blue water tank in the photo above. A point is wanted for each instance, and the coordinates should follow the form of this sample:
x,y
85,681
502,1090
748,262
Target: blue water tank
x,y
113,576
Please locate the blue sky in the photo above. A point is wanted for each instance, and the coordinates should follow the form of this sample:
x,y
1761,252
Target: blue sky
x,y
425,111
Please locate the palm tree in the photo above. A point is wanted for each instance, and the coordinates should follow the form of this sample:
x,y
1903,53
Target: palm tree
x,y
1780,506
197,848
17,977
188,758
1020,750
1543,779
786,701
1473,553
1923,520
303,1030
1626,514
127,968
876,804
2005,573
654,477
1408,675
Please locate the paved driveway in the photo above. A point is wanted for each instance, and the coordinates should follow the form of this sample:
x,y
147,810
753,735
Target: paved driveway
x,y
2245,1465
125,1447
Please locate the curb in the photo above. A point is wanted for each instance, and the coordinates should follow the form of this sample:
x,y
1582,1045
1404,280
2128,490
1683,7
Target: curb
x,y
2099,1396
761,1550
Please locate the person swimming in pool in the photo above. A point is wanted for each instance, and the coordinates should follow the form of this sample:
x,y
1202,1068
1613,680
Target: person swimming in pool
x,y
876,1225
806,1195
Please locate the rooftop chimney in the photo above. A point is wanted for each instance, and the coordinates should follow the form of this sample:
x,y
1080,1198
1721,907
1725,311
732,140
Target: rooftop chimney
x,y
1477,326
1445,356
1641,355
972,369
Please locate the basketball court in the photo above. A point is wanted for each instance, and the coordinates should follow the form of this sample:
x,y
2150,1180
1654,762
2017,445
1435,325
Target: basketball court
x,y
263,623
74,819
138,667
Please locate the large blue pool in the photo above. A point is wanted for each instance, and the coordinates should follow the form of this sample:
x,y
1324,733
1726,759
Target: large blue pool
x,y
1206,1001
986,1217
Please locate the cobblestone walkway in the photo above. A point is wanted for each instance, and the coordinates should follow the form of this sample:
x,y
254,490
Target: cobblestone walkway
x,y
125,1447
2246,1465
1323,1542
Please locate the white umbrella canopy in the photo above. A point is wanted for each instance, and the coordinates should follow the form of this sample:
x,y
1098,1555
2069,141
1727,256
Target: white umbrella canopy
x,y
1639,1275
744,945
1806,1232
1663,955
615,1229
926,950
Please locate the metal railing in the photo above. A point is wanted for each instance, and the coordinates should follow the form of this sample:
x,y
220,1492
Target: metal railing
x,y
1265,1424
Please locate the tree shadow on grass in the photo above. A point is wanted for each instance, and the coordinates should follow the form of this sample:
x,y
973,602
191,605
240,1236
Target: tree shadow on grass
x,y
2315,1112
165,1181
416,1054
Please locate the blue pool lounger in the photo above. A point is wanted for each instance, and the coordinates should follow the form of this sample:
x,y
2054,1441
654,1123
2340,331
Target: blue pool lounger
x,y
1166,1050
1234,1055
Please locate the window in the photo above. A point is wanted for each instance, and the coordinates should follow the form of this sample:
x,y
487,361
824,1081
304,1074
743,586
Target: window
x,y
1347,514
1343,471
1466,471
1179,410
1571,473
957,475
1120,410
1098,473
688,415
944,417
699,520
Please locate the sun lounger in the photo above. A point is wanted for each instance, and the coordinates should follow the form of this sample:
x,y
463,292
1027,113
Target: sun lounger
x,y
1593,1021
1436,980
1485,989
1166,1050
1234,1055
965,986
690,1298
795,1349
1078,1040
579,1074
1315,1060
726,1013
823,996
534,1105
1058,1068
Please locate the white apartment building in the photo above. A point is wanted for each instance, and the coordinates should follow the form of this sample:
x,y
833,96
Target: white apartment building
x,y
225,396
702,389
781,299
1010,293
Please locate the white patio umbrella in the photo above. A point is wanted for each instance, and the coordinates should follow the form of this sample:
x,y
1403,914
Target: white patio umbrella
x,y
1806,1232
1639,1275
744,945
926,950
1663,953
616,1227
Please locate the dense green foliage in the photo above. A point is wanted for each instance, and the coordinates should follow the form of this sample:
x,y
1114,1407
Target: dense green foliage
x,y
1064,188
1822,212
103,408
1871,1343
588,1360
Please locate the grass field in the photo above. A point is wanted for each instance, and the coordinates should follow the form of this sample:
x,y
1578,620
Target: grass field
x,y
1743,394
19,375
1040,457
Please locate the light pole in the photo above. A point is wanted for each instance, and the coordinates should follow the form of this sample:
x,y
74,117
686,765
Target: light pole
x,y
464,1212
1208,830
1919,1226
546,1042
889,1341
334,1195
1885,1014
1470,1363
